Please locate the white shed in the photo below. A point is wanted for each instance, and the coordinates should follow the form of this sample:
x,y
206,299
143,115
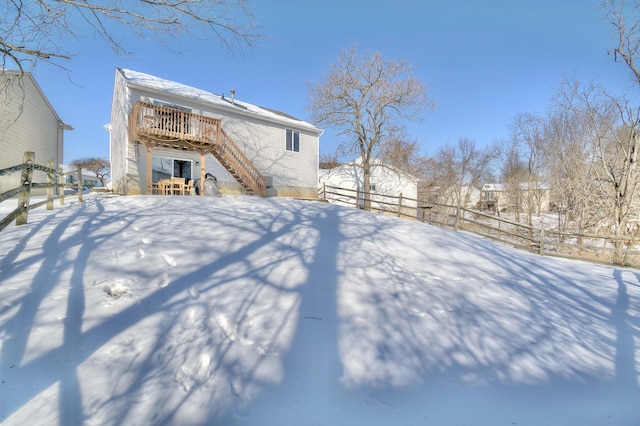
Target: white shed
x,y
386,181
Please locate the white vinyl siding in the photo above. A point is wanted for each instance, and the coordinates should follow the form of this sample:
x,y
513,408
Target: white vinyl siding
x,y
27,123
260,139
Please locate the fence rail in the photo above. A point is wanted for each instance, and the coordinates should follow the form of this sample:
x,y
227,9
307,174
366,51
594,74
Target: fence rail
x,y
607,249
55,179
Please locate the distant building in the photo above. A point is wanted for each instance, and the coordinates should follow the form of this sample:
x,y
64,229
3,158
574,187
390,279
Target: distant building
x,y
28,122
89,179
499,197
385,181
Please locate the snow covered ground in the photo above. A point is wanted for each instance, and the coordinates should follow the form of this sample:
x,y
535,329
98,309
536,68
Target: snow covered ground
x,y
248,311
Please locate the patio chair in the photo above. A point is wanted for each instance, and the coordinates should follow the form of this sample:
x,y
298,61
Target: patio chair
x,y
177,185
188,188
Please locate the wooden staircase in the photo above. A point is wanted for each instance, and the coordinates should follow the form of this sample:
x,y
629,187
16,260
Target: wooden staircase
x,y
239,166
168,127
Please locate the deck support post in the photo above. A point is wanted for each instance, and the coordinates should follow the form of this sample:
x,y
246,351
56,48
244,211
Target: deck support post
x,y
149,185
203,171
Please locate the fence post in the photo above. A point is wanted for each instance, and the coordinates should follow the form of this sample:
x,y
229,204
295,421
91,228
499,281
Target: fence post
x,y
324,191
50,180
357,197
80,200
400,205
25,180
541,240
61,182
456,223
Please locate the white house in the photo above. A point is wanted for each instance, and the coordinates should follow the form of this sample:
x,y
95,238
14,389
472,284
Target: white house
x,y
28,122
89,179
161,129
387,184
498,197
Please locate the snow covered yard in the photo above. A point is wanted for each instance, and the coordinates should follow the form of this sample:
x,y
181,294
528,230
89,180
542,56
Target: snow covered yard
x,y
248,311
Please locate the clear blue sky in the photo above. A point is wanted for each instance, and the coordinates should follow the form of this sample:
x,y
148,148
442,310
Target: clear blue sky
x,y
483,62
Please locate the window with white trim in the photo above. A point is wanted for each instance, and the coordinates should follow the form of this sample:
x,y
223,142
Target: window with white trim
x,y
293,140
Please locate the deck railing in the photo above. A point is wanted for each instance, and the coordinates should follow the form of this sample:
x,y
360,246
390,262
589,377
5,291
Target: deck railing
x,y
173,127
167,122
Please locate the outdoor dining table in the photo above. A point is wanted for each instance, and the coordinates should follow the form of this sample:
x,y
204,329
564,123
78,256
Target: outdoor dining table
x,y
173,186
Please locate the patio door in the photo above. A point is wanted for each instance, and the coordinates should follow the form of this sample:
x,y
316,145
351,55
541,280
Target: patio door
x,y
182,168
168,167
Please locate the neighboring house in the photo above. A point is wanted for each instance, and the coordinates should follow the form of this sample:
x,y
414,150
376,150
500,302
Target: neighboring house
x,y
161,129
497,197
385,182
89,179
28,122
431,194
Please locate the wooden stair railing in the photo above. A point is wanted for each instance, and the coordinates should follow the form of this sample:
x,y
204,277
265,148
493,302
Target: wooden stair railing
x,y
171,127
239,166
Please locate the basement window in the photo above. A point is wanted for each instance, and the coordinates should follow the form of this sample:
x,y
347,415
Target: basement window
x,y
293,140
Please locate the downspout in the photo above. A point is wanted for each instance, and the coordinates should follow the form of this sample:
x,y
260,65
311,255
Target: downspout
x,y
62,126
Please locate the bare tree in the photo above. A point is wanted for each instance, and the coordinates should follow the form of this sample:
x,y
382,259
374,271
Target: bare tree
x,y
328,160
99,166
528,139
624,16
514,173
38,30
365,98
461,169
402,154
569,166
611,126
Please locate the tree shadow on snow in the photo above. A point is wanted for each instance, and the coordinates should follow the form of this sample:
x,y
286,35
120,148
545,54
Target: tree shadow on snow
x,y
319,311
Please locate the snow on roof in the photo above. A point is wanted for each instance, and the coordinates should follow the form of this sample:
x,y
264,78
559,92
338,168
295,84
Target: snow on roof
x,y
523,186
156,83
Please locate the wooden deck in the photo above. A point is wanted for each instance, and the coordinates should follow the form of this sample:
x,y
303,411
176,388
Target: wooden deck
x,y
174,128
162,126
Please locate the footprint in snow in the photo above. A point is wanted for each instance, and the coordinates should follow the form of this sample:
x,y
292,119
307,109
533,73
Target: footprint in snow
x,y
146,240
164,280
193,293
170,261
194,374
230,331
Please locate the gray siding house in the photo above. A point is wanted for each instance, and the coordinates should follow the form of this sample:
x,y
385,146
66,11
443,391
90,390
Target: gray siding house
x,y
28,122
161,129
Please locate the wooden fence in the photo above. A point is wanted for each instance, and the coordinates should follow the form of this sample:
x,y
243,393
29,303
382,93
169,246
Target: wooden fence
x,y
55,179
399,205
607,249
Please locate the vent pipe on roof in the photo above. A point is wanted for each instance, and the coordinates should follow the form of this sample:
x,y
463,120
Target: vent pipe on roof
x,y
233,95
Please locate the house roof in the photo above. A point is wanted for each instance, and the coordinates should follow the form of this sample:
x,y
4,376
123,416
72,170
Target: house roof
x,y
502,187
24,74
357,163
147,81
